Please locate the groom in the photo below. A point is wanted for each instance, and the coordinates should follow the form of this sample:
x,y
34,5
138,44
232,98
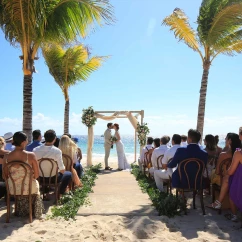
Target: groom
x,y
108,144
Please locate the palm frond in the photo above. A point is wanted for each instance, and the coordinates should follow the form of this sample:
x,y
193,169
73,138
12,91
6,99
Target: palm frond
x,y
226,22
179,24
235,48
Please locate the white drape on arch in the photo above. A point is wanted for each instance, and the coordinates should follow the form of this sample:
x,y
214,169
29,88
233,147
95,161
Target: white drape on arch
x,y
133,120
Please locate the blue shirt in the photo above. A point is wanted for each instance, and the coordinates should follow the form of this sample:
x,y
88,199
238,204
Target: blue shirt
x,y
33,145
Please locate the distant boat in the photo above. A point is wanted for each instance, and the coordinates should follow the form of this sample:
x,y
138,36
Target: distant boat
x,y
102,135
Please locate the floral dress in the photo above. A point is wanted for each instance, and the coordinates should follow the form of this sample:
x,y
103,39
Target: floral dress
x,y
17,174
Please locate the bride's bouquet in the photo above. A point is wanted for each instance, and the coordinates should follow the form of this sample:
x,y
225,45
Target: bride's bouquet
x,y
113,139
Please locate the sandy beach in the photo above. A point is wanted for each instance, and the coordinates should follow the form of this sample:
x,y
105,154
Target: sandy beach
x,y
127,227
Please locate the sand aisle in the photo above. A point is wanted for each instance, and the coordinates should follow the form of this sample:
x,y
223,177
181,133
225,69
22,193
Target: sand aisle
x,y
119,211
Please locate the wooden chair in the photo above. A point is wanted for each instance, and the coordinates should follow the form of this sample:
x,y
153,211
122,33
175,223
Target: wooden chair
x,y
212,160
147,160
168,181
195,185
28,171
159,161
68,162
224,165
48,177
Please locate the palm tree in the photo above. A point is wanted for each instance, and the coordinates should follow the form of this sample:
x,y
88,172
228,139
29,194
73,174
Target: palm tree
x,y
219,32
30,23
68,66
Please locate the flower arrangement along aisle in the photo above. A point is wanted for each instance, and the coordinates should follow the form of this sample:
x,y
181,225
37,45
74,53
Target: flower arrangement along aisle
x,y
88,117
142,131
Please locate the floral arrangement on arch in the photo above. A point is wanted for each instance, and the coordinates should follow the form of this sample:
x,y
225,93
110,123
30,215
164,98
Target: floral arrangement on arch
x,y
142,131
88,117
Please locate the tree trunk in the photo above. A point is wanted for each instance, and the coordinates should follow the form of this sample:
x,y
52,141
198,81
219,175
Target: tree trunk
x,y
66,116
27,106
202,100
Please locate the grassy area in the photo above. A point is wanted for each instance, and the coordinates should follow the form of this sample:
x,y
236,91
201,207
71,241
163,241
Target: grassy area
x,y
71,202
166,204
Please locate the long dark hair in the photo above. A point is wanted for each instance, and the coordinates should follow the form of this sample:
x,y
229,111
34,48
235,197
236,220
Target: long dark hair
x,y
235,141
211,143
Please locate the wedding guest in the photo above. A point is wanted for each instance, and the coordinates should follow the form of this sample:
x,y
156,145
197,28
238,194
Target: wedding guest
x,y
48,150
228,178
191,151
164,174
210,148
17,173
232,141
2,153
79,152
36,134
144,150
9,139
219,149
57,141
235,187
68,147
157,152
183,141
156,142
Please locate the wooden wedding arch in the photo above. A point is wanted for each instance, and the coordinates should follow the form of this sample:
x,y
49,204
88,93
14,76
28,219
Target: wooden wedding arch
x,y
133,117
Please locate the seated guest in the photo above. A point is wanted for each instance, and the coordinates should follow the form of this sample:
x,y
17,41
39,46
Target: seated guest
x,y
191,151
8,140
2,153
48,150
17,173
231,171
156,143
36,134
158,152
79,156
210,144
57,141
219,149
165,173
68,147
144,150
183,141
232,141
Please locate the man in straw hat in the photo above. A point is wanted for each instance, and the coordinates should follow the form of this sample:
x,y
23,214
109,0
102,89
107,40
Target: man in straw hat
x,y
9,139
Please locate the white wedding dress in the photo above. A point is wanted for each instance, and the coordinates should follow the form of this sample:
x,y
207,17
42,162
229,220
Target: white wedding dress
x,y
122,160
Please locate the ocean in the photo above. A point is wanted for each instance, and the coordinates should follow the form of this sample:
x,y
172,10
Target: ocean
x,y
128,141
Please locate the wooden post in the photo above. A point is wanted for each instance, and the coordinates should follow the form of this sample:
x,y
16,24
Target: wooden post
x,y
135,145
142,122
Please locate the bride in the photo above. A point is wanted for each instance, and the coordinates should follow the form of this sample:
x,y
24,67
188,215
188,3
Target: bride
x,y
122,161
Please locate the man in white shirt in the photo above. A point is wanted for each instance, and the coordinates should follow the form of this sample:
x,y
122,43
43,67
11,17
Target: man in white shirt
x,y
9,140
144,150
165,173
183,141
48,150
158,152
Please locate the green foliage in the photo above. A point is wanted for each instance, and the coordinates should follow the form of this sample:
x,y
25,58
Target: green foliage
x,y
142,131
71,202
88,117
166,204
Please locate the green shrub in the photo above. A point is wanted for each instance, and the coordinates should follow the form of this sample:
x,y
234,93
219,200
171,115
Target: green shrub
x,y
166,204
71,202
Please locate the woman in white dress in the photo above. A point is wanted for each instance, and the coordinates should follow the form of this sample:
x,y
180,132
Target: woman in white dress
x,y
122,160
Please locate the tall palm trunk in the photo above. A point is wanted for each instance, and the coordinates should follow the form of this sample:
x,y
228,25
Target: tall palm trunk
x,y
27,100
66,114
202,100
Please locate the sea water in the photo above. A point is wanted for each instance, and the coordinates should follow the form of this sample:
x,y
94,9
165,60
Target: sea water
x,y
128,141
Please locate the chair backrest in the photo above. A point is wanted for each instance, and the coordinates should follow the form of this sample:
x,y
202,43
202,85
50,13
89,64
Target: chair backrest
x,y
224,165
191,173
159,161
18,183
67,160
47,167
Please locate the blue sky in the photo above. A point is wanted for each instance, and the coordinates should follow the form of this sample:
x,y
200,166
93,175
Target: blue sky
x,y
148,69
